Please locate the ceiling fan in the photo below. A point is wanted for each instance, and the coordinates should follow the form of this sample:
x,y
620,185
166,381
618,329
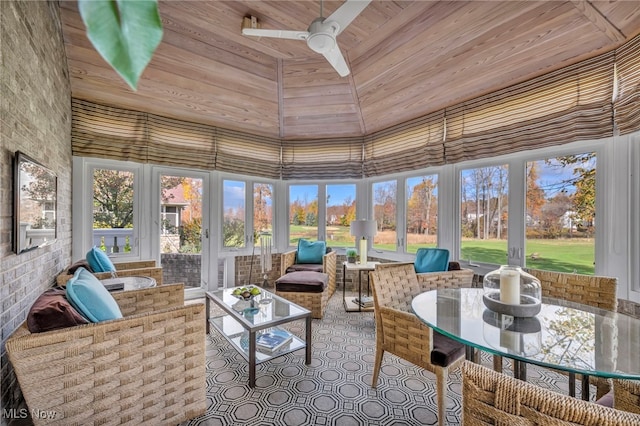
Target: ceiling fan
x,y
321,34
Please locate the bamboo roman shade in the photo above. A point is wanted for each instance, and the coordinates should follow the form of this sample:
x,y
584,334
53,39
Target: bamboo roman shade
x,y
322,159
627,105
567,105
408,146
570,104
106,132
247,154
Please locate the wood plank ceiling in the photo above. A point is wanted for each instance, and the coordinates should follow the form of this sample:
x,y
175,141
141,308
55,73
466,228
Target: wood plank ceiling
x,y
407,58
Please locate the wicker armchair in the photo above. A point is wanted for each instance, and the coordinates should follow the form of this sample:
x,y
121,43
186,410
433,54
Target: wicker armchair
x,y
626,395
489,397
315,302
146,368
329,261
591,290
142,268
401,333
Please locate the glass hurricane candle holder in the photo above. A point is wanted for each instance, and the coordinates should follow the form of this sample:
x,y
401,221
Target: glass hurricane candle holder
x,y
511,291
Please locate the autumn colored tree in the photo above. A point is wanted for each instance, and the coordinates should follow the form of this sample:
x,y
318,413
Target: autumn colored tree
x,y
552,213
350,212
583,178
296,213
262,211
385,205
311,213
535,195
192,192
422,207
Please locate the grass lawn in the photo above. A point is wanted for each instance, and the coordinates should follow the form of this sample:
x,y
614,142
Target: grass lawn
x,y
563,255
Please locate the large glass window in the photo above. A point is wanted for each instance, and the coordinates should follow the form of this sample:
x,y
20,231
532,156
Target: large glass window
x,y
113,216
233,204
341,211
483,214
422,212
560,226
303,213
384,211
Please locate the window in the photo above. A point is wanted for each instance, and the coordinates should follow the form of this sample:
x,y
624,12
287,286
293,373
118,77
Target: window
x,y
113,215
341,211
233,215
483,214
422,212
303,213
384,212
560,213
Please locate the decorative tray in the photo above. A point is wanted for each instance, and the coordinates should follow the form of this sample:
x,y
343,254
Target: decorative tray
x,y
528,306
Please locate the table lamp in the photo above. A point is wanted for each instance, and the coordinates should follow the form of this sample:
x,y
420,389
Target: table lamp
x,y
362,229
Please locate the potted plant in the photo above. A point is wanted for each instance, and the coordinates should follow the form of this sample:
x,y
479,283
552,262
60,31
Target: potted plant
x,y
351,255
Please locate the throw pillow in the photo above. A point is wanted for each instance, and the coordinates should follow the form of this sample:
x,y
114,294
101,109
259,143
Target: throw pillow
x,y
87,294
99,261
52,311
310,251
431,260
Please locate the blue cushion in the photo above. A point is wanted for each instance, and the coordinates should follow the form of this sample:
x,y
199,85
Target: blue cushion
x,y
99,261
310,251
431,260
91,298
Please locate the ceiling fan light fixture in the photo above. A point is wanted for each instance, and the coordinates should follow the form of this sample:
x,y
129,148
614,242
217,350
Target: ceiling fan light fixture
x,y
321,36
321,42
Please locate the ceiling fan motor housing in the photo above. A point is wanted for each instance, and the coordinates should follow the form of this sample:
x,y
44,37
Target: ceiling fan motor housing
x,y
322,37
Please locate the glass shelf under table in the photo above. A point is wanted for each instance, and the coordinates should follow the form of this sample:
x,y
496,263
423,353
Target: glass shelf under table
x,y
233,331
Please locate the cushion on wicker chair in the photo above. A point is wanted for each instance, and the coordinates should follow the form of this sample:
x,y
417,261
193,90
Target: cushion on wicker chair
x,y
87,294
52,311
445,350
310,251
99,261
312,267
302,282
431,260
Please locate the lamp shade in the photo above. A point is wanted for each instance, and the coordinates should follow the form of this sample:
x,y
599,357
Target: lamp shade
x,y
364,228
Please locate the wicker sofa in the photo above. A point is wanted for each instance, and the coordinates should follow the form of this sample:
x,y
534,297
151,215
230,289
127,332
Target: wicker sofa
x,y
315,302
142,268
146,368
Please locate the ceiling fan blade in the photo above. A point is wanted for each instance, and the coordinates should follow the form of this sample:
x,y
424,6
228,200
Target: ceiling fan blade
x,y
260,32
335,58
347,13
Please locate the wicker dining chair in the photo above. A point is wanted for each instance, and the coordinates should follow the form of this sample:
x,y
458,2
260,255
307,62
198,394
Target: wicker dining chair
x,y
626,395
400,332
590,290
489,397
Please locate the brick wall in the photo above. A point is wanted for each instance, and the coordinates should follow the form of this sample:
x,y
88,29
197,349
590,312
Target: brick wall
x,y
244,269
181,268
35,118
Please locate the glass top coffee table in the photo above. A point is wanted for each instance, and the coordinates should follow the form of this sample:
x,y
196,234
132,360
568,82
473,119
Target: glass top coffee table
x,y
243,321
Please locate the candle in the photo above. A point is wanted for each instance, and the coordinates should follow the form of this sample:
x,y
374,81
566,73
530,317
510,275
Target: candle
x,y
363,251
510,287
510,340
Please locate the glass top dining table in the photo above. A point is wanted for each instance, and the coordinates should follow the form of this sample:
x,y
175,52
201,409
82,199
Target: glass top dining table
x,y
564,335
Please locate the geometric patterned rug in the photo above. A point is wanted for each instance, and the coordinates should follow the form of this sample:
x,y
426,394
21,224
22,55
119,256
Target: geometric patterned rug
x,y
335,389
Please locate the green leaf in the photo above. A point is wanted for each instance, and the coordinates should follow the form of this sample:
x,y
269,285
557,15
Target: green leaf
x,y
124,32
